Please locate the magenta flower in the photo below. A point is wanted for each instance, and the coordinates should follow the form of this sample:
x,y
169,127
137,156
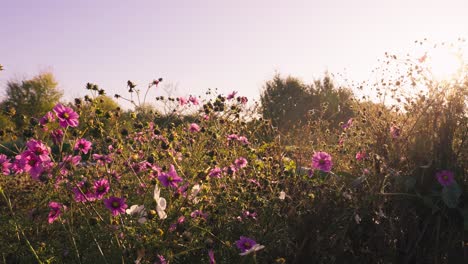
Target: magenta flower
x,y
245,243
194,128
232,137
116,205
445,177
182,101
198,213
193,100
348,124
83,192
57,136
66,116
242,99
211,256
231,95
101,187
68,163
102,159
322,161
361,155
39,149
395,131
162,260
83,145
5,164
170,178
47,118
243,140
215,173
55,211
241,162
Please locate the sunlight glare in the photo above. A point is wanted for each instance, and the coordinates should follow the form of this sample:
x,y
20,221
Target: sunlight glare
x,y
444,64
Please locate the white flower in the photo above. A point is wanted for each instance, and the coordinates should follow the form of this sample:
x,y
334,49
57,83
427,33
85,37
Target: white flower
x,y
160,203
254,248
138,210
282,195
195,190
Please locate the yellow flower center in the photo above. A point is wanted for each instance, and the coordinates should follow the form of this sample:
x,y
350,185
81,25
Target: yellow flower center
x,y
66,115
115,204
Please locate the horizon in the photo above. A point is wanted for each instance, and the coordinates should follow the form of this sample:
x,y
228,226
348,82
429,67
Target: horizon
x,y
230,46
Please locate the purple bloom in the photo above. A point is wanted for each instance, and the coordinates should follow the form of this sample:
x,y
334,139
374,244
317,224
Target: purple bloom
x,y
241,162
194,128
242,99
361,155
215,173
57,136
232,137
5,164
67,117
170,178
243,140
68,163
83,192
83,145
395,131
445,177
231,95
116,205
39,149
348,124
193,100
322,161
245,243
198,213
102,159
162,260
182,101
47,118
211,256
55,211
101,188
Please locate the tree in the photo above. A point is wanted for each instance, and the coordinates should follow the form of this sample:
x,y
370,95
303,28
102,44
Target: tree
x,y
288,102
31,98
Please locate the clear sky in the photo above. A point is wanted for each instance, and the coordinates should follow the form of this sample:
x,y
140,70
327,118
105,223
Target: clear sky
x,y
200,44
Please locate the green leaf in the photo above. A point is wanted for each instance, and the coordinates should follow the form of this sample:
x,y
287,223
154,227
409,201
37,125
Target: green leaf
x,y
450,195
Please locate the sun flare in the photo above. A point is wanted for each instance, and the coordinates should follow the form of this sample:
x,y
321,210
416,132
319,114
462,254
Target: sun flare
x,y
444,65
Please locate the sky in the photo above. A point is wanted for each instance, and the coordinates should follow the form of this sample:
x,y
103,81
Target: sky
x,y
200,44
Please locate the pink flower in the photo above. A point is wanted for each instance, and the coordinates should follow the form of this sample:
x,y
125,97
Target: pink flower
x,y
322,161
55,211
348,124
445,177
231,95
170,178
215,173
361,155
83,192
241,162
39,149
68,163
57,136
242,99
243,140
211,256
5,164
101,187
47,118
116,205
182,101
67,117
83,145
194,128
232,137
102,159
395,131
193,100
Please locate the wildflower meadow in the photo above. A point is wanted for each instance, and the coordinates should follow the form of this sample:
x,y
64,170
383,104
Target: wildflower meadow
x,y
216,178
